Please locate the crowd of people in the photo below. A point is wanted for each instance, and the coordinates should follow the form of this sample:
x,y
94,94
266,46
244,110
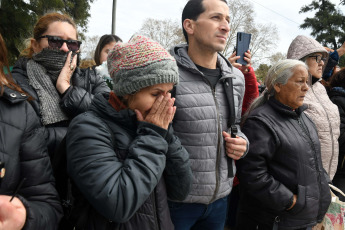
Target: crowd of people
x,y
182,139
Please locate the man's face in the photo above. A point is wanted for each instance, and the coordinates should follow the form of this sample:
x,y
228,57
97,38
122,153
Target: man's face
x,y
211,29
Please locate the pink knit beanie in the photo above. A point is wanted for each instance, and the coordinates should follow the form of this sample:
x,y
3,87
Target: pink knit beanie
x,y
140,63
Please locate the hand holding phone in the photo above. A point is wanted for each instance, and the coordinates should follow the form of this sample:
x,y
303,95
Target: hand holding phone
x,y
242,46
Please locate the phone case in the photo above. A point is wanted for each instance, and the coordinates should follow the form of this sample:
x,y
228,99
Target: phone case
x,y
242,45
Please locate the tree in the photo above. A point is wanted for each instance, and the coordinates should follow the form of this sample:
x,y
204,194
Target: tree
x,y
17,18
88,47
264,36
262,71
328,23
166,32
277,57
342,61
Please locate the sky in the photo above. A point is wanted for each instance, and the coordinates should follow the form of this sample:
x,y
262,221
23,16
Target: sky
x,y
130,15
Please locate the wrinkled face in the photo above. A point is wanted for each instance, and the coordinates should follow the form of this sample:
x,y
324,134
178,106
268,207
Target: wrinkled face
x,y
211,29
144,99
315,69
63,30
293,92
104,52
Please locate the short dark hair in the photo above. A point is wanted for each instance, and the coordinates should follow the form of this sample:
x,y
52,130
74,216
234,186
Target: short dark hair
x,y
103,41
338,79
192,10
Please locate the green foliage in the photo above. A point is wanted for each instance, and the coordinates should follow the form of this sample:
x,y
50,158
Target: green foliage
x,y
18,17
261,72
15,19
327,25
109,83
342,61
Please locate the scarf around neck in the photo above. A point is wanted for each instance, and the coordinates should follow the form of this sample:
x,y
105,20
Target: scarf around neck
x,y
43,70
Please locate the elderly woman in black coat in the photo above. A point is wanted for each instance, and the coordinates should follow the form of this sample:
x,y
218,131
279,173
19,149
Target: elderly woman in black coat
x,y
282,182
28,198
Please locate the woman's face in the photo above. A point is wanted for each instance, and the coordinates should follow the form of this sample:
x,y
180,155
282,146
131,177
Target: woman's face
x,y
315,69
144,99
104,52
293,92
63,30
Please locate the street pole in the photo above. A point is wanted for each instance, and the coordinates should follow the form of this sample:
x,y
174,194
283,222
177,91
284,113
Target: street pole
x,y
113,28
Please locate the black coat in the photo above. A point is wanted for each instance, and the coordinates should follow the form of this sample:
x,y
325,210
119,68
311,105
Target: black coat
x,y
284,159
24,152
120,171
337,96
85,83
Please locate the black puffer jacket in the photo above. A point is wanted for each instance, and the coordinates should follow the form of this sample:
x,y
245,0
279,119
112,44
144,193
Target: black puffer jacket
x,y
283,159
85,83
120,171
24,152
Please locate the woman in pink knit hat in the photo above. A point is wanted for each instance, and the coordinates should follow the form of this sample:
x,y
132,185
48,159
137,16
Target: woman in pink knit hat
x,y
118,151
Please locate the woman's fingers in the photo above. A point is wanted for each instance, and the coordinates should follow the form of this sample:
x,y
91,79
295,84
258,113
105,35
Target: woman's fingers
x,y
162,111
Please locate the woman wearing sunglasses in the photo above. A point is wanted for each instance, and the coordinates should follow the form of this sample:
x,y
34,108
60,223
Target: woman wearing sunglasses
x,y
321,110
48,72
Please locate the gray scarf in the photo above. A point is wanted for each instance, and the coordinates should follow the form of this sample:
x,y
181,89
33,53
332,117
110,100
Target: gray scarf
x,y
43,70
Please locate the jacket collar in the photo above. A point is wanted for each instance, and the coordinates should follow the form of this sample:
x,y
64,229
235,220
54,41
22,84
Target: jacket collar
x,y
180,53
125,118
286,110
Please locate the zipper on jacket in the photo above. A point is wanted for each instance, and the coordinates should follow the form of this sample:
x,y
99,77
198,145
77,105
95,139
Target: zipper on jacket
x,y
315,159
276,223
218,159
330,128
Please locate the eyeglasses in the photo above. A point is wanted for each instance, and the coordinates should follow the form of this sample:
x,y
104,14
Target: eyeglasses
x,y
319,58
57,42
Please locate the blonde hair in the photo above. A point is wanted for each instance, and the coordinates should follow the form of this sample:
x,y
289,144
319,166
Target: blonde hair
x,y
42,26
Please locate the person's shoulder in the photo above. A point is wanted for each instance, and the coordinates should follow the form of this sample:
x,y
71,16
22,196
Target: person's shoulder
x,y
19,71
86,118
13,96
17,111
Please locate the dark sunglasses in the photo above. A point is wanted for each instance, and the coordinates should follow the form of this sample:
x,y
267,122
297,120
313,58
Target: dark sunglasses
x,y
57,42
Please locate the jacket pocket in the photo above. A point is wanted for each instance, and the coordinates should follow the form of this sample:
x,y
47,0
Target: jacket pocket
x,y
301,199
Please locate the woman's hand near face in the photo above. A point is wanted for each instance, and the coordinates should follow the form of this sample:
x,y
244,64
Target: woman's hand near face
x,y
63,81
12,214
161,113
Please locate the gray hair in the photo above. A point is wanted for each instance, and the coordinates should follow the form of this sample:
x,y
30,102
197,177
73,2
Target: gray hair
x,y
279,73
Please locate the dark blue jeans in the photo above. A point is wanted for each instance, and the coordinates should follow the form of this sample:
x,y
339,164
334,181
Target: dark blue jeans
x,y
193,216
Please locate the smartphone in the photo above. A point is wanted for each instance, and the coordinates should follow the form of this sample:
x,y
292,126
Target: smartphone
x,y
242,46
233,130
